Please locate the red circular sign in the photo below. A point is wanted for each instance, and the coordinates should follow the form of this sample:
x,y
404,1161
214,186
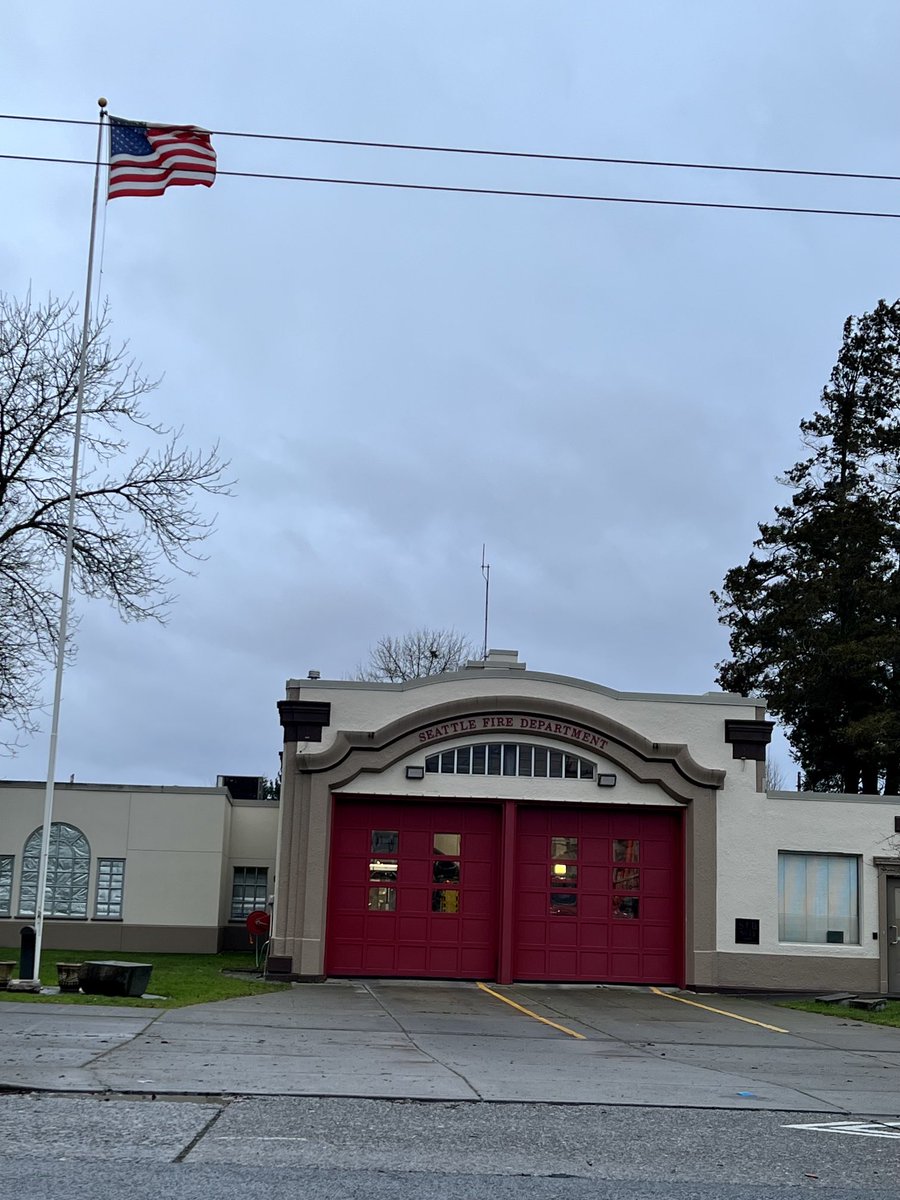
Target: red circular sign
x,y
258,922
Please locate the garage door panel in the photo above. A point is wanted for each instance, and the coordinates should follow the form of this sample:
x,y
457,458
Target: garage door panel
x,y
412,929
618,919
440,900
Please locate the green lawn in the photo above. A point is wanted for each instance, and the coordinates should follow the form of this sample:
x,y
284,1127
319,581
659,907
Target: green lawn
x,y
890,1016
180,978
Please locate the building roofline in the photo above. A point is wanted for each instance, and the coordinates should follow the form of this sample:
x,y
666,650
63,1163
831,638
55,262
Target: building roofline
x,y
489,675
175,789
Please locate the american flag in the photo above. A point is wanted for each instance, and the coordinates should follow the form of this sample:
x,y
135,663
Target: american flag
x,y
146,159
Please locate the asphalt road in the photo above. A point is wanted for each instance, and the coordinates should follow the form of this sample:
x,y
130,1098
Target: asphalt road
x,y
104,1149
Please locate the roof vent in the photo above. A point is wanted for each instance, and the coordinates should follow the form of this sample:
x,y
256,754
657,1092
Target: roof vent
x,y
498,659
314,675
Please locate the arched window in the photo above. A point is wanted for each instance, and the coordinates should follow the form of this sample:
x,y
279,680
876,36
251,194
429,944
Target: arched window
x,y
510,758
68,872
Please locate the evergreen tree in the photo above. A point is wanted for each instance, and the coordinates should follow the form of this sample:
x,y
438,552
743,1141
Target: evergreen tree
x,y
814,613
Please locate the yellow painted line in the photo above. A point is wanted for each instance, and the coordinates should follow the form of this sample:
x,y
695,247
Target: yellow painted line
x,y
528,1013
720,1011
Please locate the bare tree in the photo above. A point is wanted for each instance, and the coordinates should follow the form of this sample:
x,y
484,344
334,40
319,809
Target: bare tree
x,y
136,514
416,654
773,776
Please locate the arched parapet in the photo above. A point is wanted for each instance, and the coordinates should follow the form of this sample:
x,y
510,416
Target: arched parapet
x,y
669,765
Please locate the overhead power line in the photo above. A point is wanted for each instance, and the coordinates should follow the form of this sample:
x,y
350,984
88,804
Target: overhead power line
x,y
523,154
481,191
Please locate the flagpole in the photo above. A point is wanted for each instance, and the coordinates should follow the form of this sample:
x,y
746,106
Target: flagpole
x,y
39,900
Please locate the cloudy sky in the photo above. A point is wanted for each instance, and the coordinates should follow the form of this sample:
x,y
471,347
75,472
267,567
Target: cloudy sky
x,y
601,393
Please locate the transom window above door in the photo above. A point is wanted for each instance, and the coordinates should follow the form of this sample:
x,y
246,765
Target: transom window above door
x,y
510,758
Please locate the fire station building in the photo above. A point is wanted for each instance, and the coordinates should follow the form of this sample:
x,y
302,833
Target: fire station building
x,y
505,824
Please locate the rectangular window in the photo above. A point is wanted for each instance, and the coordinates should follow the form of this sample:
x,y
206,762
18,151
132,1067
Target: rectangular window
x,y
249,892
6,874
110,888
818,898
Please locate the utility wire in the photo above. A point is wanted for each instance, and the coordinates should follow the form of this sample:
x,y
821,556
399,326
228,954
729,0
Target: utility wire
x,y
526,154
479,191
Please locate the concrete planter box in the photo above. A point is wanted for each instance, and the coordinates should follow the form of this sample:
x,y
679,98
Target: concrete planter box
x,y
68,976
113,978
6,974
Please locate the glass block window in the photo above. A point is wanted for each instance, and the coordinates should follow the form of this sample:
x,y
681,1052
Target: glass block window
x,y
6,874
818,898
249,891
509,758
110,888
68,873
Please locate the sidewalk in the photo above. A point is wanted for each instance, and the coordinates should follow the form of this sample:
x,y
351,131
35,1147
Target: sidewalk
x,y
401,1040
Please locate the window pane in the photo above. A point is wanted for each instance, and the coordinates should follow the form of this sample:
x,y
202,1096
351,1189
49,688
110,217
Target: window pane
x,y
540,762
626,879
563,875
525,759
571,766
556,763
110,874
448,762
510,760
6,874
383,870
563,904
587,769
625,850
445,870
249,891
478,756
444,900
431,764
68,873
447,843
625,906
463,760
385,841
563,847
494,759
382,899
818,898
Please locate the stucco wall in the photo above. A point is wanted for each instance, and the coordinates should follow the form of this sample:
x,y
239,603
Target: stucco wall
x,y
173,840
695,720
393,781
752,830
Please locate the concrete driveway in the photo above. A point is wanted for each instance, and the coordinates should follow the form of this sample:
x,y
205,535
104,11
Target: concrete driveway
x,y
464,1042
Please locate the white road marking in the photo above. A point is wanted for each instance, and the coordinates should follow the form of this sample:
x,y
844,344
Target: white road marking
x,y
882,1129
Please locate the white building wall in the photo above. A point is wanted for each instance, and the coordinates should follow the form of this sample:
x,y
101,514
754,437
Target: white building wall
x,y
754,827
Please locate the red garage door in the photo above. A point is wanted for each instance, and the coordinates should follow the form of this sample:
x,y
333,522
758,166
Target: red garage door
x,y
598,895
413,890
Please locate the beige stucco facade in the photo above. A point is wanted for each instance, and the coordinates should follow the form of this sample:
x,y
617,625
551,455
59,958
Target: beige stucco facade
x,y
179,847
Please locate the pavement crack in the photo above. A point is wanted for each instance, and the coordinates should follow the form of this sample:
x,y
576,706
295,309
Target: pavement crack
x,y
128,1041
199,1136
431,1057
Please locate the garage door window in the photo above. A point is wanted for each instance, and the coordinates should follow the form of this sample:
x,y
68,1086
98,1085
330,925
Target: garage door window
x,y
563,874
384,870
446,872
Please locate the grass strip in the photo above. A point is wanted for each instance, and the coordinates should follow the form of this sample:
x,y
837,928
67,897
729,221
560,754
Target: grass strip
x,y
180,979
890,1015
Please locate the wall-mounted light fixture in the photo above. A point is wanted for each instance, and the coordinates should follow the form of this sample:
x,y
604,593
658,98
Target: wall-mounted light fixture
x,y
606,781
415,772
